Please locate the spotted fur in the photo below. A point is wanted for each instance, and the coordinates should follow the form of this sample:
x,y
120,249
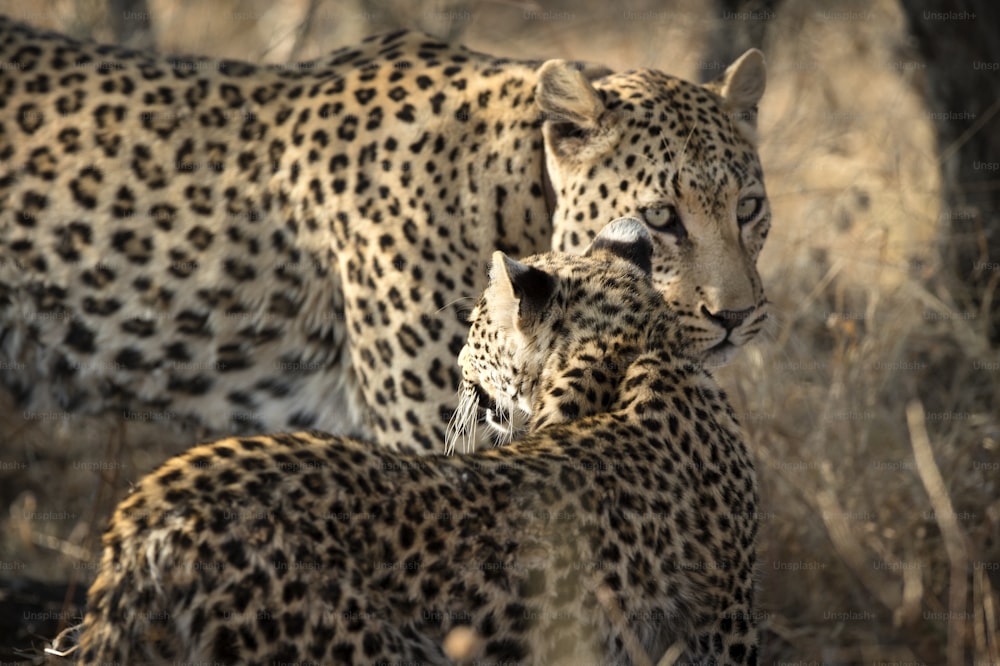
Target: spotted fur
x,y
620,526
256,248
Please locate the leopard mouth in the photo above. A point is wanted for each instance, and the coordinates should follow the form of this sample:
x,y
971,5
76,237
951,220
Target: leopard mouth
x,y
721,353
498,418
725,345
486,403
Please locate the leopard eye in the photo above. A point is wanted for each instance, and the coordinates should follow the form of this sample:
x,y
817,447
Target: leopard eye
x,y
748,208
664,218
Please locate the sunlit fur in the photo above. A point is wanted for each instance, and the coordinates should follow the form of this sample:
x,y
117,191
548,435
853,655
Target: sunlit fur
x,y
619,527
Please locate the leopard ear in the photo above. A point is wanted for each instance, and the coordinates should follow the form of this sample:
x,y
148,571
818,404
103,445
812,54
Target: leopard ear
x,y
628,239
741,86
519,294
574,113
591,70
565,95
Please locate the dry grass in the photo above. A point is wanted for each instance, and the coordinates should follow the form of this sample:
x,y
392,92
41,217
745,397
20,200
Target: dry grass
x,y
873,407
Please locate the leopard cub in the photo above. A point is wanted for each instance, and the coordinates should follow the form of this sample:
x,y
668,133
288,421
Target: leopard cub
x,y
619,522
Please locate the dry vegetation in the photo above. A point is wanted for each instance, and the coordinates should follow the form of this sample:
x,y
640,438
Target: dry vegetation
x,y
872,407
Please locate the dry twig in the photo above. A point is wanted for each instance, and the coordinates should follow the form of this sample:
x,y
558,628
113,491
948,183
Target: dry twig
x,y
954,540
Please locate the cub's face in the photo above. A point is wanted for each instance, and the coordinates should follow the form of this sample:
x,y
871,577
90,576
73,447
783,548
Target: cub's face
x,y
528,326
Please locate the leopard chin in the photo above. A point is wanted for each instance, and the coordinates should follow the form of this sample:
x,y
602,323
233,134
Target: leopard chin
x,y
506,425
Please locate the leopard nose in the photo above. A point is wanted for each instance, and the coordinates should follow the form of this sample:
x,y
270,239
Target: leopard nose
x,y
728,319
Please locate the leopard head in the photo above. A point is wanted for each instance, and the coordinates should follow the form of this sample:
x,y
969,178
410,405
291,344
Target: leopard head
x,y
683,159
551,334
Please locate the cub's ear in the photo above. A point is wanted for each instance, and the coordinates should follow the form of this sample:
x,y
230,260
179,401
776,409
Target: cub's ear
x,y
628,239
741,86
574,112
518,294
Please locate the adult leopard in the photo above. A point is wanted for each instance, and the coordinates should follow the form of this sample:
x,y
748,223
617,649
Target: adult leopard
x,y
620,527
262,247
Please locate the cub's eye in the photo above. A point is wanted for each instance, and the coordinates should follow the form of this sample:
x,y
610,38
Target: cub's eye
x,y
664,218
748,208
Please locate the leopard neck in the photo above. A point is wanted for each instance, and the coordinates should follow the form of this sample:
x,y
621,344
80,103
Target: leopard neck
x,y
609,374
502,182
582,381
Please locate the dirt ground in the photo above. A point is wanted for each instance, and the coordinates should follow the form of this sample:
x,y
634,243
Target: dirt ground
x,y
872,382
